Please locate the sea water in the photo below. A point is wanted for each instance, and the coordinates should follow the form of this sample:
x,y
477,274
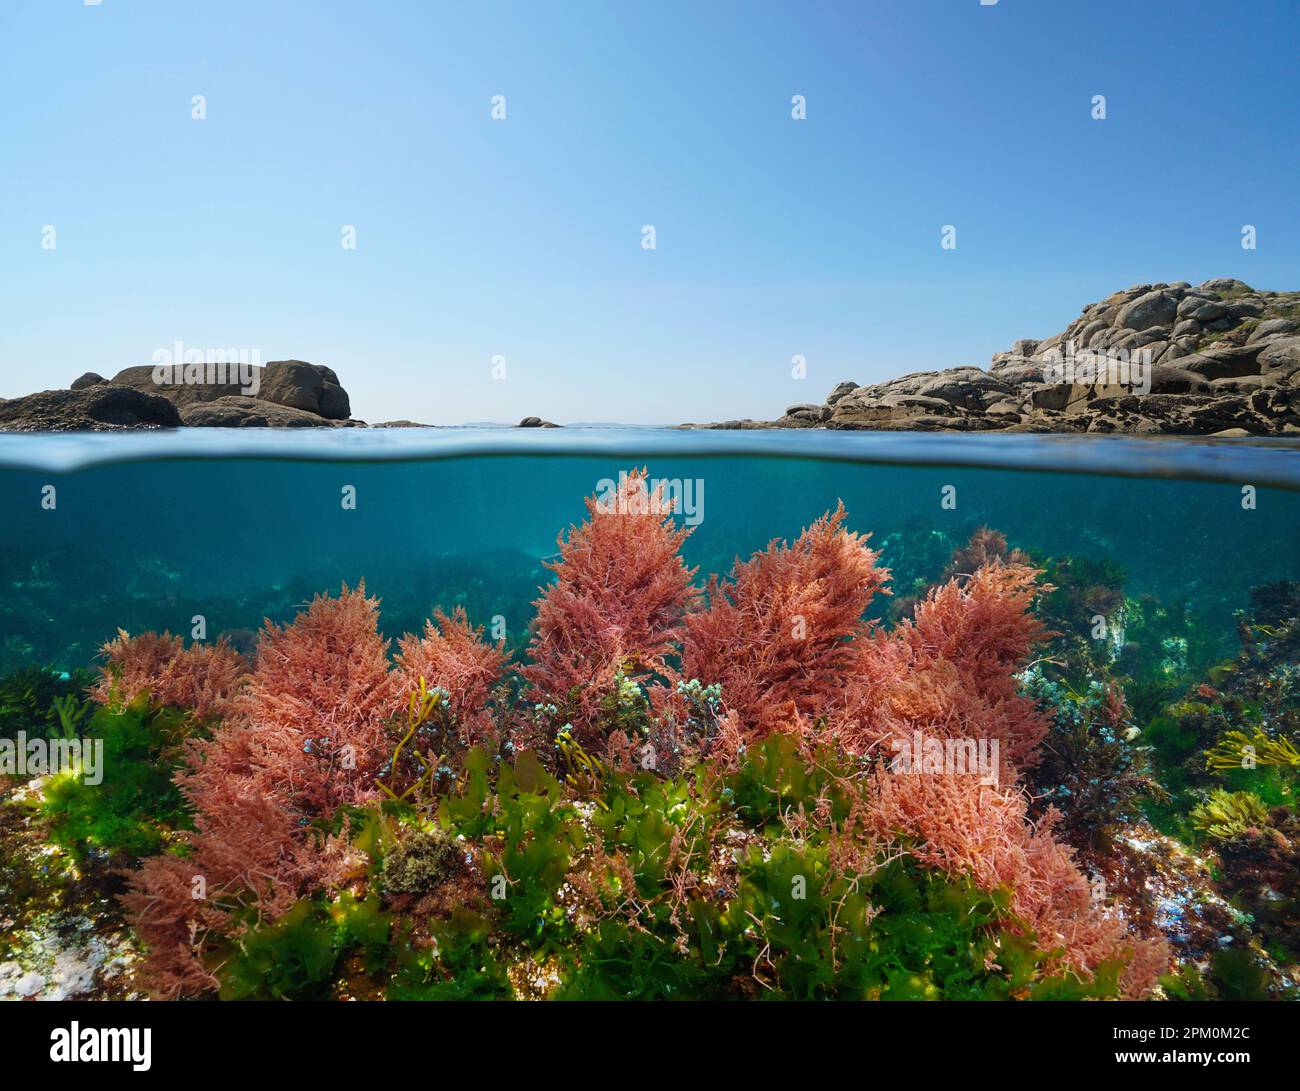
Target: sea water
x,y
211,532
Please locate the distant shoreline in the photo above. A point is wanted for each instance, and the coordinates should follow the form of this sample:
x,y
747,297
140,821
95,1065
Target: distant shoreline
x,y
1219,359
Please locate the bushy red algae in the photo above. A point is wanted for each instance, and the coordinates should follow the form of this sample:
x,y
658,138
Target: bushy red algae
x,y
309,730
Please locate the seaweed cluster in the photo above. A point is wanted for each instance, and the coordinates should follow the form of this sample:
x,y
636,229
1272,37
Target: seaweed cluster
x,y
737,788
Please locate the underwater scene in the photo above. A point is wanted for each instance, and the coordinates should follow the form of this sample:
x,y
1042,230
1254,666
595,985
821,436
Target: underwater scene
x,y
628,713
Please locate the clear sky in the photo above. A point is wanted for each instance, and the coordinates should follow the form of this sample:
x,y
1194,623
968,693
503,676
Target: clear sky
x,y
522,237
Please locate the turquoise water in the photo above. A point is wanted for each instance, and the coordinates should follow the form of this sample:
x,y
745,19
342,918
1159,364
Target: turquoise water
x,y
148,531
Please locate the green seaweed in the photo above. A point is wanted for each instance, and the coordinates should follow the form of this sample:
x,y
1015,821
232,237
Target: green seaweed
x,y
135,808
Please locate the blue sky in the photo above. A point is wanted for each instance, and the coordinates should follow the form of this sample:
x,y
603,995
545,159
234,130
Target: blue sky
x,y
522,238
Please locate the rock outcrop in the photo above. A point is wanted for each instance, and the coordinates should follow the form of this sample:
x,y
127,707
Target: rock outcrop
x,y
293,384
98,408
237,411
283,394
1221,357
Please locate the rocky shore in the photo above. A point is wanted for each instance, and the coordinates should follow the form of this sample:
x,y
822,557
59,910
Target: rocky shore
x,y
283,394
1220,358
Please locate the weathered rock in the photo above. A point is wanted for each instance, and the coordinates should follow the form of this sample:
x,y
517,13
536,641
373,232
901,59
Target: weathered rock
x,y
1017,371
1199,309
1156,308
334,402
1273,327
238,411
841,389
180,394
814,414
1225,284
898,408
745,425
1223,362
290,383
1280,359
969,388
29,984
1170,379
1246,384
1246,308
309,387
535,422
1058,395
99,408
89,378
1220,357
1083,336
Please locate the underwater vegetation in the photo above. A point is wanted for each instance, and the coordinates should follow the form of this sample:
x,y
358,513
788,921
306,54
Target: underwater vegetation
x,y
759,784
142,592
34,700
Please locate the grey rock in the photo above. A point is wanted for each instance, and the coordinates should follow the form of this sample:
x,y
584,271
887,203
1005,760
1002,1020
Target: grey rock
x,y
29,984
90,378
1167,379
1017,370
1156,351
1246,308
1156,308
1273,327
745,425
535,422
1225,284
1058,395
883,409
1224,362
1152,334
968,388
1246,384
1280,357
813,414
840,391
1201,310
1090,332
